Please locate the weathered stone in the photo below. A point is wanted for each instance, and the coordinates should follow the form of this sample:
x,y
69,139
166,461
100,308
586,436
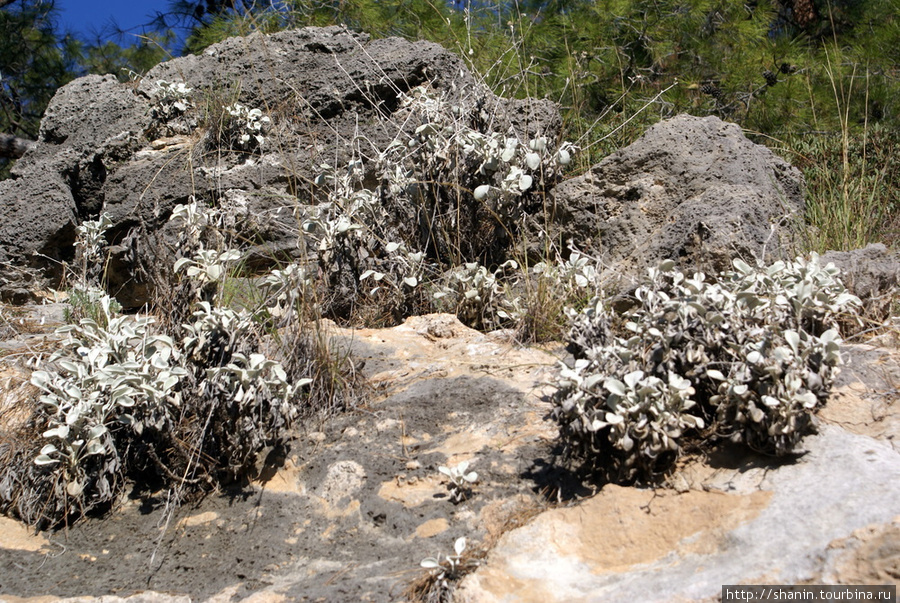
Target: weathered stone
x,y
691,189
90,126
749,525
330,94
872,273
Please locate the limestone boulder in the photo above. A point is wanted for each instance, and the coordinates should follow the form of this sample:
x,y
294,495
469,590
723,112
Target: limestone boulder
x,y
91,126
873,274
692,189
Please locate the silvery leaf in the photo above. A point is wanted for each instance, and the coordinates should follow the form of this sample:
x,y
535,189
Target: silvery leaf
x,y
43,459
633,378
614,386
74,488
525,182
793,339
538,144
460,545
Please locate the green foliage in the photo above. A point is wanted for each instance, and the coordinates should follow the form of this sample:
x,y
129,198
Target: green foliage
x,y
126,61
617,66
852,197
34,62
750,355
36,58
412,19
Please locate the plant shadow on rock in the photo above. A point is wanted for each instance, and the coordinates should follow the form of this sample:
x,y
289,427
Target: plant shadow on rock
x,y
735,456
556,481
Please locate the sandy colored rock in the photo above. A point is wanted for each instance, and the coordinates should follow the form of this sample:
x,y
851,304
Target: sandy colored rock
x,y
865,393
412,494
199,519
16,536
618,529
871,555
432,527
772,532
287,480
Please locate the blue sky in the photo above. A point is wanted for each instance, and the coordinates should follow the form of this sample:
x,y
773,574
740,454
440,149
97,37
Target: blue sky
x,y
86,17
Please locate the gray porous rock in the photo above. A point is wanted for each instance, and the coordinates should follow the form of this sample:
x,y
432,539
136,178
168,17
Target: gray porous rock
x,y
692,189
90,125
872,273
330,94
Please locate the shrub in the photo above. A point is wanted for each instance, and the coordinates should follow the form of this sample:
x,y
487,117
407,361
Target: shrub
x,y
529,299
187,406
446,202
749,356
242,127
108,378
171,109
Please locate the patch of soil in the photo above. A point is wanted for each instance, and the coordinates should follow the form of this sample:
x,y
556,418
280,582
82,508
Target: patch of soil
x,y
239,540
